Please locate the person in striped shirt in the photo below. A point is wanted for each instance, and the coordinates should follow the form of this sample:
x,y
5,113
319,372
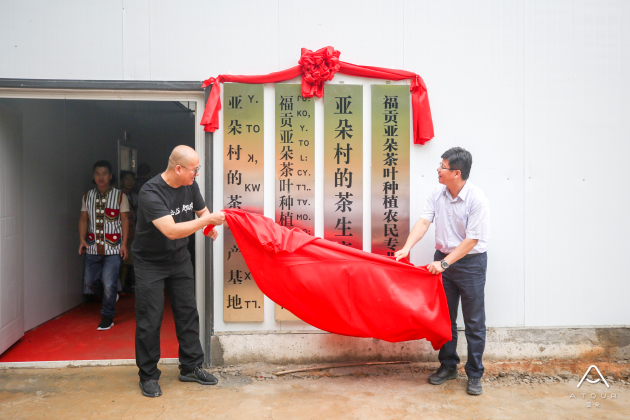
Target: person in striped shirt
x,y
103,233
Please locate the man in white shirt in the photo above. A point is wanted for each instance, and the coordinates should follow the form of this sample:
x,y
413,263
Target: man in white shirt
x,y
461,213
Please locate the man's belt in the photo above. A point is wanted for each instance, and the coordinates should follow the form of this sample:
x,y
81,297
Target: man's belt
x,y
462,258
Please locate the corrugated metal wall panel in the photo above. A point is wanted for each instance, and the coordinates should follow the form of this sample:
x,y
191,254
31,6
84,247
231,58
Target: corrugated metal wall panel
x,y
61,40
576,128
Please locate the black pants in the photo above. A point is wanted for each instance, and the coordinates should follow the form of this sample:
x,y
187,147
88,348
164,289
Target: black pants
x,y
466,279
180,286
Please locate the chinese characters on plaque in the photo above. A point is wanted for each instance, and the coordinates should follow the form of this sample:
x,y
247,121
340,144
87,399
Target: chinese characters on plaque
x,y
295,173
343,164
243,166
390,168
295,165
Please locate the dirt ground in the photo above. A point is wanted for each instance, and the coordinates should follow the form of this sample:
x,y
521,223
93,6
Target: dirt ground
x,y
512,390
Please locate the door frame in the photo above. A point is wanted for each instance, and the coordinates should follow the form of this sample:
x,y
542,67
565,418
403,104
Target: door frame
x,y
13,330
146,91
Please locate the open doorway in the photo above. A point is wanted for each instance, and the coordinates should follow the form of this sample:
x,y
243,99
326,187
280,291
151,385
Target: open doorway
x,y
61,140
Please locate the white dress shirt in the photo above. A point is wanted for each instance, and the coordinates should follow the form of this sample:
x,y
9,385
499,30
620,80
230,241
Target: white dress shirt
x,y
465,217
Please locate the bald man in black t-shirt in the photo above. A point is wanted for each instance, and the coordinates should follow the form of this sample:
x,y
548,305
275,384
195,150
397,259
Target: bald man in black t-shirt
x,y
167,205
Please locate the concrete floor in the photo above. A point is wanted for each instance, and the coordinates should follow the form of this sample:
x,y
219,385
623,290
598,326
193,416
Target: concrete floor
x,y
253,392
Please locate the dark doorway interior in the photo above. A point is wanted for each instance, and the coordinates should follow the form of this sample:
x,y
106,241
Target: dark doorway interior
x,y
61,141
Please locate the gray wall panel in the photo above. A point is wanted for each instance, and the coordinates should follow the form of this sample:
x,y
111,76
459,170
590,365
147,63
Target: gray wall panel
x,y
577,57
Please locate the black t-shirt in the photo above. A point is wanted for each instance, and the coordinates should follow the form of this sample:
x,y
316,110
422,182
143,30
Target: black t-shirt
x,y
157,199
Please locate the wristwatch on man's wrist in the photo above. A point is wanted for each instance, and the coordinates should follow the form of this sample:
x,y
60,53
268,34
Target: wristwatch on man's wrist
x,y
445,264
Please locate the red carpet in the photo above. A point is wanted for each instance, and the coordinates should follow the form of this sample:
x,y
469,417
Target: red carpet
x,y
73,336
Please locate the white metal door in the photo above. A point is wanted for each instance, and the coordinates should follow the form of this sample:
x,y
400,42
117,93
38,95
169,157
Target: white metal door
x,y
11,245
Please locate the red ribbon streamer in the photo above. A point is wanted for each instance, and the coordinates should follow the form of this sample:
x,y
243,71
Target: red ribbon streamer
x,y
318,67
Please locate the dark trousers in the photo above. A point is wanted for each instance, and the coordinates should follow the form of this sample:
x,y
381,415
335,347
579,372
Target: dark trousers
x,y
101,276
466,279
180,285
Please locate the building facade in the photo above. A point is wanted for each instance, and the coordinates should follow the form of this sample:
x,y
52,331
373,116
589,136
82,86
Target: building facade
x,y
535,90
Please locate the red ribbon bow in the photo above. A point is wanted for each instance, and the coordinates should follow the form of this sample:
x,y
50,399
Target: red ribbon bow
x,y
318,67
210,81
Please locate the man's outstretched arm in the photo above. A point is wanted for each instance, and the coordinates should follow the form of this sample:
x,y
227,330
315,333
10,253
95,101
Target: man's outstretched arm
x,y
173,230
417,233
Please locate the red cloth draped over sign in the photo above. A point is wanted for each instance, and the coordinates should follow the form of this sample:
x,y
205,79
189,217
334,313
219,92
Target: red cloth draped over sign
x,y
318,67
340,289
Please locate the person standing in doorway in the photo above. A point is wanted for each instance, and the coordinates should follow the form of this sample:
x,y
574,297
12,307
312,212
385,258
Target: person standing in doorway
x,y
167,205
461,213
103,231
144,174
127,182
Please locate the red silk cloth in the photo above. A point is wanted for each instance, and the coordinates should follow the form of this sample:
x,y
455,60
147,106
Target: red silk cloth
x,y
340,289
208,229
318,67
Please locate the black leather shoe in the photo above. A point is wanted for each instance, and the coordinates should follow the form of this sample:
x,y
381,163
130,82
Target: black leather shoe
x,y
197,375
442,375
474,386
150,388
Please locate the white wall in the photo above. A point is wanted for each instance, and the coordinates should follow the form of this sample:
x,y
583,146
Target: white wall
x,y
532,88
577,61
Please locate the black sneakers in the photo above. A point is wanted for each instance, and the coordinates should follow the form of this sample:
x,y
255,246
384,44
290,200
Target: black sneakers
x,y
197,375
474,386
442,375
106,324
150,388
